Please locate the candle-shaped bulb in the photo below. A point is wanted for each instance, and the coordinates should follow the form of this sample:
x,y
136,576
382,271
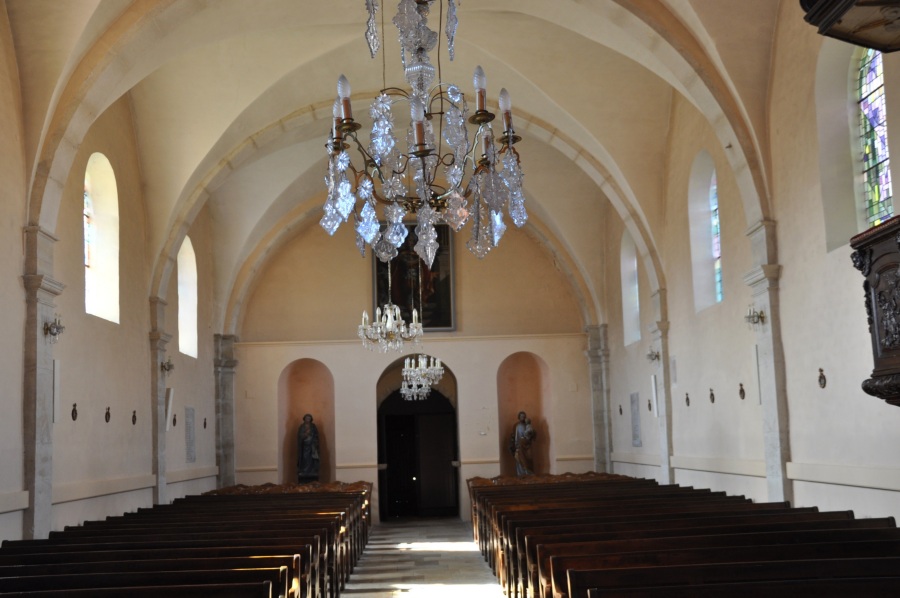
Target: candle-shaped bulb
x,y
343,89
480,82
506,110
417,113
364,317
336,118
378,314
415,317
504,101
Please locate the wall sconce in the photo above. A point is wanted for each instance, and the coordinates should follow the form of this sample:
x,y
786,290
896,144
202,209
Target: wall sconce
x,y
652,355
54,329
167,366
754,317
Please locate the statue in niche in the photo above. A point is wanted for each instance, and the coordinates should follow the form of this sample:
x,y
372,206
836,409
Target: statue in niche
x,y
520,443
307,451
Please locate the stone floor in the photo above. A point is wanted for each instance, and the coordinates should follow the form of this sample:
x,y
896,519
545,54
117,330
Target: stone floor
x,y
422,558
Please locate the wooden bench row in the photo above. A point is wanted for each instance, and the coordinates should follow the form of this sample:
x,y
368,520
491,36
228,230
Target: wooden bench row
x,y
620,537
261,541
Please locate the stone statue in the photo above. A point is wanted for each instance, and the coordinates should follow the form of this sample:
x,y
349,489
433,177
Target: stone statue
x,y
307,451
520,445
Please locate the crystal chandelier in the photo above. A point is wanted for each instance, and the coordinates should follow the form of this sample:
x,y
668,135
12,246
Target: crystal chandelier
x,y
423,172
388,331
419,376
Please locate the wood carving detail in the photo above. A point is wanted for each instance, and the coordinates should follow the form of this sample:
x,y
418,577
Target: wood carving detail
x,y
862,260
888,299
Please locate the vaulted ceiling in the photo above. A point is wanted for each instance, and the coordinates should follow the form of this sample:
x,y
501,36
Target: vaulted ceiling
x,y
231,104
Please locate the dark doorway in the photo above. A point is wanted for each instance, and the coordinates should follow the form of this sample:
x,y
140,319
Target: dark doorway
x,y
417,450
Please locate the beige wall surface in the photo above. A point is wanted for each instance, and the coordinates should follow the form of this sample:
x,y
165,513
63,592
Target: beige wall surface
x,y
89,452
822,297
316,288
475,364
192,380
12,304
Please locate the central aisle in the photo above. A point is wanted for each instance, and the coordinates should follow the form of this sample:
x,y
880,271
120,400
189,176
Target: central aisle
x,y
426,558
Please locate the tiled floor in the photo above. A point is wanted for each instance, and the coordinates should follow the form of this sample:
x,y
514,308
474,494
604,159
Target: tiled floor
x,y
422,558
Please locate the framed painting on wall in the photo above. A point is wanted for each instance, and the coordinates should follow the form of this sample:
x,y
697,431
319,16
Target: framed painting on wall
x,y
414,285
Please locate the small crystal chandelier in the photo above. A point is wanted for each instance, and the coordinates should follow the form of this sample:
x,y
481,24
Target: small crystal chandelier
x,y
419,376
417,174
388,331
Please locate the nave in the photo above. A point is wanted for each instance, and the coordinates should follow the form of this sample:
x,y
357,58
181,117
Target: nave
x,y
419,558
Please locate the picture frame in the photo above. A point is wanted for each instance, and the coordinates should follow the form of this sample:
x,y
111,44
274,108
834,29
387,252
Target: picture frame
x,y
437,308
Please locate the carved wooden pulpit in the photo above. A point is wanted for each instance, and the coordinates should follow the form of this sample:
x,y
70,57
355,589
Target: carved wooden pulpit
x,y
877,255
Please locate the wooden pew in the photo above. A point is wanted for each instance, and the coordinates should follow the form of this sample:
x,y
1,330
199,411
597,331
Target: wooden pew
x,y
233,590
604,582
306,585
507,519
633,541
728,554
642,513
277,577
828,588
291,564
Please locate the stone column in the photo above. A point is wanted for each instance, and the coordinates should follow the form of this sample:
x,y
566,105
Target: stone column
x,y
763,281
40,293
225,364
659,331
158,341
598,363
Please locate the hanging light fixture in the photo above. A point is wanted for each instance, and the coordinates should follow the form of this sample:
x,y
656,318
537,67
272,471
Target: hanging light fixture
x,y
419,375
388,331
423,173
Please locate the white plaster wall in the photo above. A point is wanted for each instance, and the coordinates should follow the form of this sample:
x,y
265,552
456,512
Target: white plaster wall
x,y
12,303
103,364
630,371
838,429
192,380
356,371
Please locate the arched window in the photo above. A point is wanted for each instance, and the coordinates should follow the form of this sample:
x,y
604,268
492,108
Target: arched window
x,y
631,297
187,298
706,240
716,234
873,133
100,218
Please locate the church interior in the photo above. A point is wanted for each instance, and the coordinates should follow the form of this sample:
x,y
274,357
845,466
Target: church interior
x,y
671,294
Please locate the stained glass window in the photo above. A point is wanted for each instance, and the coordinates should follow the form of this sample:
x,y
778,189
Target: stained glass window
x,y
715,232
873,129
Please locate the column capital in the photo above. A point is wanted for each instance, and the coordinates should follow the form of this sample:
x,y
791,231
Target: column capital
x,y
763,278
43,283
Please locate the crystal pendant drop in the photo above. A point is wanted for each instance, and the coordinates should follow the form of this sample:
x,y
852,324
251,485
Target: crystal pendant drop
x,y
456,213
452,23
396,231
331,220
498,227
426,244
517,208
480,243
345,198
368,227
371,28
384,250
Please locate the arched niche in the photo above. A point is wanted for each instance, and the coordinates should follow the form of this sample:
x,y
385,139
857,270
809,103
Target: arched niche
x,y
305,386
523,384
